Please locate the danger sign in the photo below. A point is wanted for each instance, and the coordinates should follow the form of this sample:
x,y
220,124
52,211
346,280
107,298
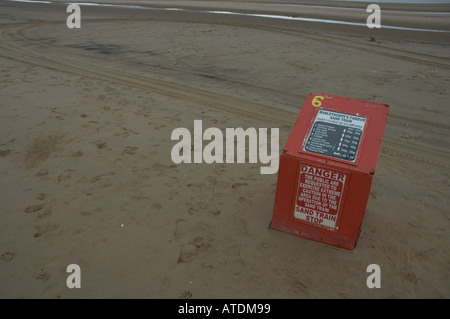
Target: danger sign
x,y
319,195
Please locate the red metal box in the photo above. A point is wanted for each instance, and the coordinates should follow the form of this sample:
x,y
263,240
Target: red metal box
x,y
327,167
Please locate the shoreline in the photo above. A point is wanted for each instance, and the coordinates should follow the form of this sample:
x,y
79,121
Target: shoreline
x,y
416,21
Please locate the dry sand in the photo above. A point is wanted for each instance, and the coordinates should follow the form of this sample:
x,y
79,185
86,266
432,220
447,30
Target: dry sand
x,y
86,117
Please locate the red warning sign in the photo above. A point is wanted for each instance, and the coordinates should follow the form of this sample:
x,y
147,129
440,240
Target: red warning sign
x,y
319,196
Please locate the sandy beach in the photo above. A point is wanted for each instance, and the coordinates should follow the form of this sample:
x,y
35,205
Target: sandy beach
x,y
86,174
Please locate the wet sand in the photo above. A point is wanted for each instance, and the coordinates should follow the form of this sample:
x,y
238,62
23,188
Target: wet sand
x,y
86,117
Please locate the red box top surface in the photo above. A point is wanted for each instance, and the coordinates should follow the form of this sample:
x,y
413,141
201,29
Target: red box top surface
x,y
338,130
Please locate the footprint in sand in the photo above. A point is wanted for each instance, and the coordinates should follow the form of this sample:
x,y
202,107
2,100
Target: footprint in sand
x,y
187,253
4,153
42,196
215,212
7,256
238,185
180,229
191,250
44,214
97,178
235,266
43,229
170,180
129,150
194,239
239,223
208,184
34,208
186,295
294,284
209,181
42,172
156,206
161,167
101,145
65,175
43,275
77,154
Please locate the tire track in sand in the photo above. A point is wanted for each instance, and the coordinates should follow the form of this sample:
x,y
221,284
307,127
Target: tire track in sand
x,y
15,34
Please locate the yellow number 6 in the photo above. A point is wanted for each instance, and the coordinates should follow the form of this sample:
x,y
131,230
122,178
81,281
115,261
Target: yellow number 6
x,y
316,102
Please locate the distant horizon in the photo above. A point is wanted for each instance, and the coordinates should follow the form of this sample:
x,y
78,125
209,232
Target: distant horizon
x,y
401,1
371,1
